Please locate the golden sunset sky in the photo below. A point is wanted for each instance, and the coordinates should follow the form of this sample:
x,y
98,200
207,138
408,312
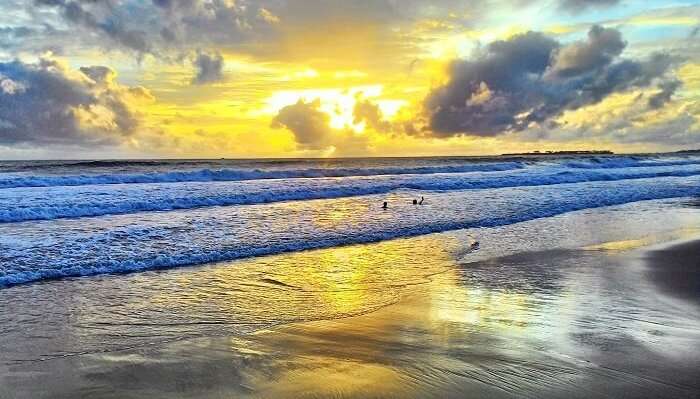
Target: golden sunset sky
x,y
332,78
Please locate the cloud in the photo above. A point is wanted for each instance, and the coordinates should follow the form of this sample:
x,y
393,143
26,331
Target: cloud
x,y
602,46
530,79
668,88
680,131
99,74
209,68
167,29
575,6
509,69
11,87
86,15
172,29
45,103
312,131
369,112
221,22
307,122
16,32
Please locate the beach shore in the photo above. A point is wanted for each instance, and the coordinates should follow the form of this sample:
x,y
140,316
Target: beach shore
x,y
578,323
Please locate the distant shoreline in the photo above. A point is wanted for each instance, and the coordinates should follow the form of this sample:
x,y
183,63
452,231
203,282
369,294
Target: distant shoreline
x,y
471,157
687,152
594,152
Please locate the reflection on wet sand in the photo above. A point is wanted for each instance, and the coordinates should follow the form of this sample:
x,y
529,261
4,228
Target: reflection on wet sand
x,y
115,312
585,334
454,337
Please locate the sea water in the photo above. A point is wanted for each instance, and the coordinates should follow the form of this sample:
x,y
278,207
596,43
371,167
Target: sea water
x,y
80,218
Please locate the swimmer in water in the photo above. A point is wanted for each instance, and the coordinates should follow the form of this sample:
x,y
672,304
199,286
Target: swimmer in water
x,y
386,205
421,201
415,202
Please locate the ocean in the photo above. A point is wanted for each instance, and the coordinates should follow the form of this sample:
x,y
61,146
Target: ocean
x,y
81,218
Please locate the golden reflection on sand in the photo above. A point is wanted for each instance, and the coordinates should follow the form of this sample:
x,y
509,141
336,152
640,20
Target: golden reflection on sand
x,y
472,306
398,350
382,352
308,285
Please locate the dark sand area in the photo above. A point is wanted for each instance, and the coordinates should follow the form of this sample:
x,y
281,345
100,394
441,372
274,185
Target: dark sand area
x,y
676,270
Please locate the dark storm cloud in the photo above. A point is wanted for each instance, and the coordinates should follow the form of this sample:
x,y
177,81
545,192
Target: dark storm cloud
x,y
307,122
500,85
581,5
531,78
209,68
45,104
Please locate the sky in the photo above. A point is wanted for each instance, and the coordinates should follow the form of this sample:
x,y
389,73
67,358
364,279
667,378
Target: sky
x,y
338,78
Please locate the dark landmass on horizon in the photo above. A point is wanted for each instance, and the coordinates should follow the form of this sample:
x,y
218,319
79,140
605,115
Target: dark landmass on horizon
x,y
147,161
594,152
695,151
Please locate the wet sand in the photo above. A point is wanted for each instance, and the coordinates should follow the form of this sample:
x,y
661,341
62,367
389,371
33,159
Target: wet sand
x,y
497,339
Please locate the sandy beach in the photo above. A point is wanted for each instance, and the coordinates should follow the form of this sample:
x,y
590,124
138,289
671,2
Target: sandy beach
x,y
420,317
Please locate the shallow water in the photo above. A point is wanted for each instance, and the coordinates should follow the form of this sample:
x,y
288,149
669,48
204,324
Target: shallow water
x,y
37,250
